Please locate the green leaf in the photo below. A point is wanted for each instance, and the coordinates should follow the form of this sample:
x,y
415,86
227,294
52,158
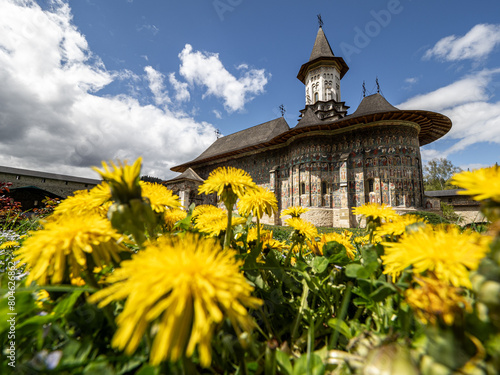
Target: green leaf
x,y
382,292
317,366
284,363
301,265
369,254
357,271
65,306
341,326
319,264
148,370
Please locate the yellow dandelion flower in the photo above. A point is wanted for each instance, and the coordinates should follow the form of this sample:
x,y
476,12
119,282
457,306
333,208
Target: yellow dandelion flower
x,y
9,245
366,240
65,246
444,251
266,238
226,181
304,228
160,198
95,200
481,184
398,225
343,239
213,220
123,180
294,211
436,301
257,202
375,211
172,216
77,281
264,234
184,285
42,296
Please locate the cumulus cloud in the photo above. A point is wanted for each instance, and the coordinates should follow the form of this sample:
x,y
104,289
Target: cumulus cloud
x,y
476,44
206,69
52,117
157,86
473,87
181,88
466,102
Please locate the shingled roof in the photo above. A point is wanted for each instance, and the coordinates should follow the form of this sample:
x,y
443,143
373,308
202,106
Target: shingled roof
x,y
243,140
321,46
373,104
188,174
322,54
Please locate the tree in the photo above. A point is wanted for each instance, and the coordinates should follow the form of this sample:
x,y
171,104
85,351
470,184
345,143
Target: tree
x,y
438,173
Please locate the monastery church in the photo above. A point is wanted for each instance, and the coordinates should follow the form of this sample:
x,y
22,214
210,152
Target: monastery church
x,y
330,161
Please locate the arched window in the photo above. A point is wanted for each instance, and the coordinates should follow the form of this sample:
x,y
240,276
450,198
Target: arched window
x,y
302,188
324,188
316,96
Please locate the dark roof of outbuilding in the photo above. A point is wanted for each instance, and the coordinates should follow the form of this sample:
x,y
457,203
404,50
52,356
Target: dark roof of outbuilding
x,y
244,140
188,174
444,193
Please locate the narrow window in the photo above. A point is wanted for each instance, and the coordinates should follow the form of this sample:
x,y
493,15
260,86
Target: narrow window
x,y
316,96
18,177
324,187
302,188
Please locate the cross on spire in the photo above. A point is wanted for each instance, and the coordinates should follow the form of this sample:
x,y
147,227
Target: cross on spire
x,y
282,110
320,21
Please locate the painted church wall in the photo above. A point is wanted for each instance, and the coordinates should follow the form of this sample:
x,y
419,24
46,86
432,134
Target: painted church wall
x,y
379,163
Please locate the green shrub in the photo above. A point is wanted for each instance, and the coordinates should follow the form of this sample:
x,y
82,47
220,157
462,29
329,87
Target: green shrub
x,y
430,217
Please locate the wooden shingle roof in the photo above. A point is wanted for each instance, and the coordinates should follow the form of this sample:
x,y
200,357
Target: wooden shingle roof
x,y
244,140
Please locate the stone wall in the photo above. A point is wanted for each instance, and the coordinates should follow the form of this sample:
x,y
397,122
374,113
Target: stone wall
x,y
59,186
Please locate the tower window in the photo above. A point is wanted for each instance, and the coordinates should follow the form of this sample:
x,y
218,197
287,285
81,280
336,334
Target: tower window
x,y
316,96
324,188
370,185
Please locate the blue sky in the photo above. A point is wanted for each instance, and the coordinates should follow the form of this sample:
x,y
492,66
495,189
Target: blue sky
x,y
90,80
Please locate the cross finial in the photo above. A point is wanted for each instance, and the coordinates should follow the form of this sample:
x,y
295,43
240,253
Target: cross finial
x,y
364,89
378,86
320,21
282,110
217,133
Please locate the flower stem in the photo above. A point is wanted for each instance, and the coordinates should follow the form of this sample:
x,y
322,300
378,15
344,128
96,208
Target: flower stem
x,y
227,238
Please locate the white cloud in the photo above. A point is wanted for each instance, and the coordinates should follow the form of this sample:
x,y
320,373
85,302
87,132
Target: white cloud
x,y
51,116
468,89
157,86
476,44
411,80
465,102
217,113
206,69
152,28
181,89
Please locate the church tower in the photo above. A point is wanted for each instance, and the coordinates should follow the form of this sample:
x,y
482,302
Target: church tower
x,y
321,76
